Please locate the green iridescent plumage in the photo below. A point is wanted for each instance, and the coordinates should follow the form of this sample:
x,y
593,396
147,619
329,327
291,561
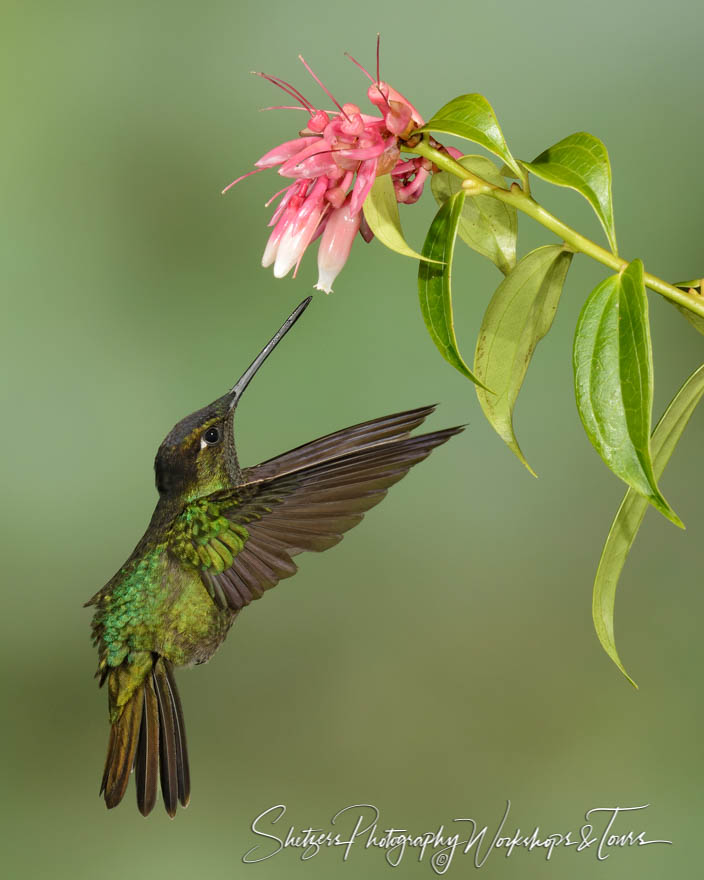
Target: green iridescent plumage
x,y
219,538
129,607
203,537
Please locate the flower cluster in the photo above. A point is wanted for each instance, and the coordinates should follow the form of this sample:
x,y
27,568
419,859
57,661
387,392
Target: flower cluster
x,y
333,163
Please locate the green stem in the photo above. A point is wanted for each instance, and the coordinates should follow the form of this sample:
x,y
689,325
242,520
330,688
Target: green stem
x,y
579,243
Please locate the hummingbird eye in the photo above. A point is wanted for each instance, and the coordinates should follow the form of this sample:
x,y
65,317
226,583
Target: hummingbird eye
x,y
211,436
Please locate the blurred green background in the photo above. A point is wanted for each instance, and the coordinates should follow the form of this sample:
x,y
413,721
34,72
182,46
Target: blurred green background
x,y
442,658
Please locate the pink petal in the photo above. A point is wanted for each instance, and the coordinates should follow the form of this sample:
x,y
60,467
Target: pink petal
x,y
319,121
359,154
337,194
398,117
402,168
335,245
297,235
313,201
295,165
336,133
412,192
355,124
365,179
376,121
285,151
314,166
320,228
272,246
293,244
381,94
284,222
282,204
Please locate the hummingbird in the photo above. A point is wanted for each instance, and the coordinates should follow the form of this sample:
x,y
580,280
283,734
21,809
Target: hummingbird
x,y
219,538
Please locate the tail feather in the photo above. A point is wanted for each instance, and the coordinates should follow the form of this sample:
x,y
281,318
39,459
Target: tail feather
x,y
183,773
121,751
146,765
108,760
150,736
167,740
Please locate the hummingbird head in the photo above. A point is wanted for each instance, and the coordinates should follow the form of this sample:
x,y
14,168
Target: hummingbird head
x,y
198,455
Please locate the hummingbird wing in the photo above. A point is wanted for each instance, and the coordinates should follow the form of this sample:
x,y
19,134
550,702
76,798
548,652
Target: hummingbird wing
x,y
305,500
339,443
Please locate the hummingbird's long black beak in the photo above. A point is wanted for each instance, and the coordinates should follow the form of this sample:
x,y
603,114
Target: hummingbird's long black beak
x,y
238,388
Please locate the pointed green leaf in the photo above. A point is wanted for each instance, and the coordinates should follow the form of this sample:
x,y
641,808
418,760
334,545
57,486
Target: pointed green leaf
x,y
632,510
486,225
581,162
505,171
472,117
613,368
434,282
381,213
694,319
520,313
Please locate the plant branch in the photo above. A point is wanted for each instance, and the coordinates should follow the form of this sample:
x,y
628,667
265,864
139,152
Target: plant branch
x,y
523,202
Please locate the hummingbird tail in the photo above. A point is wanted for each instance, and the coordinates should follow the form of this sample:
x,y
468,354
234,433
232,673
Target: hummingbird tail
x,y
150,736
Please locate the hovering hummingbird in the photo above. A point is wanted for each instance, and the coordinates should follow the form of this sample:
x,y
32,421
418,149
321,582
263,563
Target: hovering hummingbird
x,y
219,537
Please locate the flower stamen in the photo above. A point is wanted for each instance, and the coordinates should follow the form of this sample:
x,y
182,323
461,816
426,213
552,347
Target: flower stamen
x,y
242,177
320,83
286,87
363,69
284,107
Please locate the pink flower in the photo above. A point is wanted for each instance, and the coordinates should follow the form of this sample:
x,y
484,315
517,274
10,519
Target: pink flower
x,y
336,242
333,164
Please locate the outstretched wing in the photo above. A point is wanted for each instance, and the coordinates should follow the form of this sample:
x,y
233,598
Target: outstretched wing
x,y
303,500
362,436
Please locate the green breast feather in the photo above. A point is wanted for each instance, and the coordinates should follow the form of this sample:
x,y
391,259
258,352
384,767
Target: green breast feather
x,y
129,607
132,607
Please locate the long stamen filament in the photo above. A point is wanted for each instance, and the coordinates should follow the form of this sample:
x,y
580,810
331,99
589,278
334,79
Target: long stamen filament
x,y
327,91
248,174
378,88
363,69
284,107
288,88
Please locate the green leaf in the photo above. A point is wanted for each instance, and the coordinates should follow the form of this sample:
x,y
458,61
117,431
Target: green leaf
x,y
613,368
487,225
381,213
694,319
632,510
472,117
581,162
520,313
696,284
505,171
434,282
